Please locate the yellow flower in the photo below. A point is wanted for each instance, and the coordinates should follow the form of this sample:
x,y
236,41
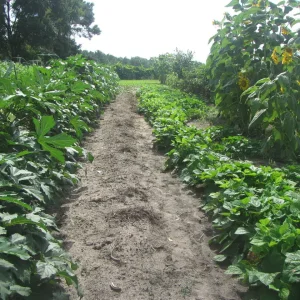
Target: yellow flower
x,y
257,4
287,56
247,22
274,56
284,31
282,89
243,82
289,51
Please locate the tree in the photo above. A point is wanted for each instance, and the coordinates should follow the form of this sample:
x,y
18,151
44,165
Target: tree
x,y
182,62
163,65
30,26
2,28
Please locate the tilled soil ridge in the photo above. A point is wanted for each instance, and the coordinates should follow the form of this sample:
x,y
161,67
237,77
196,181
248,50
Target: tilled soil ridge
x,y
135,226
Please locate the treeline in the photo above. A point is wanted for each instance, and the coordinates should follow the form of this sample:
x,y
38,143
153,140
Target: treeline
x,y
134,68
178,69
109,59
29,28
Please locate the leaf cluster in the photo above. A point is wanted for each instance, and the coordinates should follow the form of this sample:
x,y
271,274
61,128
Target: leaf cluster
x,y
254,72
44,115
255,210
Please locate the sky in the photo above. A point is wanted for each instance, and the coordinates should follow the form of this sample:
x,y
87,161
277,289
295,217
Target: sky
x,y
149,28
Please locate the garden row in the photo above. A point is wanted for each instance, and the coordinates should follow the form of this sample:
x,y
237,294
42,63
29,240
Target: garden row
x,y
44,114
255,209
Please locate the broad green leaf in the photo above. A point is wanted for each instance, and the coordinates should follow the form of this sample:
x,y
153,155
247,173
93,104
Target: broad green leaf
x,y
241,231
266,89
15,201
31,190
266,278
23,221
72,151
264,222
283,79
54,247
292,267
263,80
2,231
21,290
79,125
61,140
43,126
59,155
257,242
295,207
17,239
4,103
284,228
257,116
277,135
46,189
220,258
26,152
234,270
90,157
6,264
287,9
284,294
289,125
45,270
293,258
21,175
79,87
4,290
228,243
7,217
7,248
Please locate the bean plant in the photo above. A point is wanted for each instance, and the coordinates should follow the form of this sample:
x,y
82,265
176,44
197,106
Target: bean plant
x,y
255,209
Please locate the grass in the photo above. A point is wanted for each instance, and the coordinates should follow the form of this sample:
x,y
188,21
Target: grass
x,y
137,82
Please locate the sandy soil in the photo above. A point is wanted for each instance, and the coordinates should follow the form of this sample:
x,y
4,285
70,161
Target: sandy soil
x,y
133,225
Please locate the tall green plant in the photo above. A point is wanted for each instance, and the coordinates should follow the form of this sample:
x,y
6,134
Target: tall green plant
x,y
255,72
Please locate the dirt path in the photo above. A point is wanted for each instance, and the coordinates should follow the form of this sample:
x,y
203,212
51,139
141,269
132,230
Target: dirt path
x,y
135,226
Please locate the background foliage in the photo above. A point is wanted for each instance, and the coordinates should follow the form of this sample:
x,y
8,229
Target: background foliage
x,y
134,68
28,28
180,71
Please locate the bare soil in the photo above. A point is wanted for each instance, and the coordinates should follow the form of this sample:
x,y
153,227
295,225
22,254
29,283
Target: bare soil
x,y
136,231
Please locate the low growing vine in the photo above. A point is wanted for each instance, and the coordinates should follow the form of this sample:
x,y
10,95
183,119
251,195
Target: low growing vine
x,y
255,209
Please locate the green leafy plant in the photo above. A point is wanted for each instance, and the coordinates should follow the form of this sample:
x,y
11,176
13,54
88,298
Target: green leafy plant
x,y
44,114
255,210
254,64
